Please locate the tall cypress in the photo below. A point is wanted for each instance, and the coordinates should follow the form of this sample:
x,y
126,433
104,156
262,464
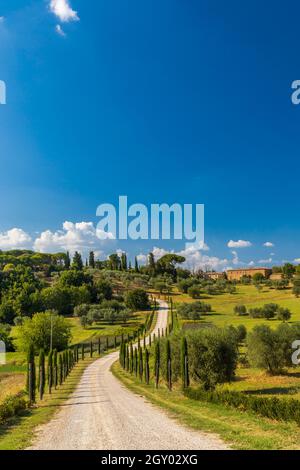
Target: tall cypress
x,y
92,259
135,362
55,372
127,357
131,358
169,365
31,375
41,377
141,364
184,363
91,349
61,369
157,363
147,371
82,351
50,370
99,346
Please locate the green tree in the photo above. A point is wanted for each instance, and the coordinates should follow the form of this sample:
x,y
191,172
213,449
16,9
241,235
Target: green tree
x,y
42,374
288,270
31,375
137,299
92,259
77,263
240,309
37,331
184,363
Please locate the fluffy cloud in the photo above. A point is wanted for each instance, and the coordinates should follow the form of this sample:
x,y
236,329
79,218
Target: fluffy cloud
x,y
265,261
239,244
297,260
14,238
269,244
81,236
194,258
142,259
63,10
59,30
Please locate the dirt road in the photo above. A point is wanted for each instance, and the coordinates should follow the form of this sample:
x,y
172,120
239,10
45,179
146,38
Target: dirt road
x,y
103,415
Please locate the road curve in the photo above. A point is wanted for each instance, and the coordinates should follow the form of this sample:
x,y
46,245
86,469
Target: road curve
x,y
103,415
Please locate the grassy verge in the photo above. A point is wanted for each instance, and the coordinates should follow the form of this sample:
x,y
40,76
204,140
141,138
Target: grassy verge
x,y
244,431
18,432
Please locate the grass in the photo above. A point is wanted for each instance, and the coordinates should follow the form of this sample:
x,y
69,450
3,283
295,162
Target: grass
x,y
80,334
223,306
19,432
244,431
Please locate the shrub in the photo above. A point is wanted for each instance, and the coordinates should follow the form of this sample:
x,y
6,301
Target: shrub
x,y
212,356
193,310
194,292
240,309
137,299
12,406
273,408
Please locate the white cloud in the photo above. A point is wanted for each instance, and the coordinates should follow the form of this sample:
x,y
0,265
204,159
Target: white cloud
x,y
142,259
80,236
235,259
269,244
265,261
251,263
297,260
60,31
14,238
63,10
239,244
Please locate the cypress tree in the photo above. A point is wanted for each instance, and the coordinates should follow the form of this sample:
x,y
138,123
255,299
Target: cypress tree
x,y
31,375
92,259
107,343
91,349
41,378
153,337
169,365
61,369
121,353
50,370
147,372
135,362
127,357
141,364
67,261
131,358
82,351
55,368
115,342
136,265
99,346
77,261
150,340
184,363
156,363
144,342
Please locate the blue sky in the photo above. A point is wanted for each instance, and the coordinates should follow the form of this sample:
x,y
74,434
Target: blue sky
x,y
163,101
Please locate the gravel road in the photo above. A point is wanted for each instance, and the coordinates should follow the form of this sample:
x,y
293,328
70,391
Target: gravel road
x,y
103,415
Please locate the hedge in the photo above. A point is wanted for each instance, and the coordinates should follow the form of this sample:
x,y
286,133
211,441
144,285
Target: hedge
x,y
12,406
284,409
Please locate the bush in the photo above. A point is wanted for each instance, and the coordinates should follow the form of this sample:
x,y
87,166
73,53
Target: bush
x,y
194,292
104,289
273,408
212,356
137,299
193,310
240,309
12,406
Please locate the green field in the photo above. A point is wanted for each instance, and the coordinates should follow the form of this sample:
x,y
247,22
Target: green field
x,y
223,305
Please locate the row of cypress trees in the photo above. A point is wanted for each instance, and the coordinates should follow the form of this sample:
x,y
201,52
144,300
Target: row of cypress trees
x,y
135,360
60,365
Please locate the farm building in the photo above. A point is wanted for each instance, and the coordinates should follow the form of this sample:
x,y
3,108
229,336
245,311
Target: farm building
x,y
236,274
